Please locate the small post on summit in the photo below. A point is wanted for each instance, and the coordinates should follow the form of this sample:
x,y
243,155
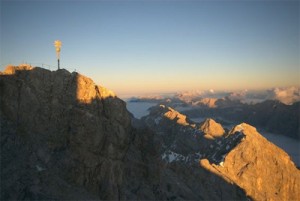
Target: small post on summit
x,y
57,45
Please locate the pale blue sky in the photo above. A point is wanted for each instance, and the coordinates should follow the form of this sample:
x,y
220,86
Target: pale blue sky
x,y
138,47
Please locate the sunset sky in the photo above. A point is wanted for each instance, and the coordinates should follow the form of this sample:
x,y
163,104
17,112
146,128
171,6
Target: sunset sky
x,y
152,46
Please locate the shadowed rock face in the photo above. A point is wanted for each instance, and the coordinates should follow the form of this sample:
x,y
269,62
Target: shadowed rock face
x,y
182,145
68,126
153,174
65,138
242,156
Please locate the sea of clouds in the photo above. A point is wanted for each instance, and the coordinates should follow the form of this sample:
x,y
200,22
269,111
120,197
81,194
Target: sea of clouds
x,y
286,95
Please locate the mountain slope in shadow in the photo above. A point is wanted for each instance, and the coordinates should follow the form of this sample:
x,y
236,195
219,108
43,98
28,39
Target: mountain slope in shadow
x,y
65,132
65,138
240,156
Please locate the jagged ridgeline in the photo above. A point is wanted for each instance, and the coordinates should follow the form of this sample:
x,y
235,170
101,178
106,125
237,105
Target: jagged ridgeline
x,y
65,138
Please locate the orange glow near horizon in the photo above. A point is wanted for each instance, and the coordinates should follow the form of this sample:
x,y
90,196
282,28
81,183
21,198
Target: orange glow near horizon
x,y
191,78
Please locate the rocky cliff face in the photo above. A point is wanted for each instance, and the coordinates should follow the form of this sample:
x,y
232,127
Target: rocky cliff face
x,y
242,156
65,138
182,144
62,126
265,171
212,129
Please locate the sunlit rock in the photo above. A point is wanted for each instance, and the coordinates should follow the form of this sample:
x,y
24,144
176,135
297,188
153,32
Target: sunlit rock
x,y
212,129
259,167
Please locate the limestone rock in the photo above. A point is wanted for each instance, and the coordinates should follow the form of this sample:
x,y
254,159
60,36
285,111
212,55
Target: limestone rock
x,y
259,167
150,177
242,157
212,128
9,70
69,127
65,138
172,114
181,147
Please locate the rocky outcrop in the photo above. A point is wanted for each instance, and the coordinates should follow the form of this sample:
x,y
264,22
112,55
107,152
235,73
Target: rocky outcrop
x,y
259,167
65,138
172,115
156,171
182,145
68,128
212,129
242,157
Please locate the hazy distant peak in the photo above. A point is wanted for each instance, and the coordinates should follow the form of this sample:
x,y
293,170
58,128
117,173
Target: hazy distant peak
x,y
209,102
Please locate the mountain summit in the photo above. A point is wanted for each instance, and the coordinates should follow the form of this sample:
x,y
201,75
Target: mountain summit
x,y
264,170
65,138
212,128
241,156
59,130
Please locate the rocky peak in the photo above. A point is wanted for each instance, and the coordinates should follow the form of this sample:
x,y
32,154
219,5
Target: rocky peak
x,y
208,102
182,138
174,115
70,128
241,157
264,170
212,129
59,130
169,113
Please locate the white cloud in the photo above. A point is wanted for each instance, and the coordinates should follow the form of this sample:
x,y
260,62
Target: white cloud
x,y
287,95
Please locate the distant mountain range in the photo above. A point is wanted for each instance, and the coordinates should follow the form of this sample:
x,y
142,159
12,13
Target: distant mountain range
x,y
286,95
65,138
260,110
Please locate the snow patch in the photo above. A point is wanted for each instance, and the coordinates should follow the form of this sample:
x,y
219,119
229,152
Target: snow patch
x,y
157,120
171,156
39,168
239,128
